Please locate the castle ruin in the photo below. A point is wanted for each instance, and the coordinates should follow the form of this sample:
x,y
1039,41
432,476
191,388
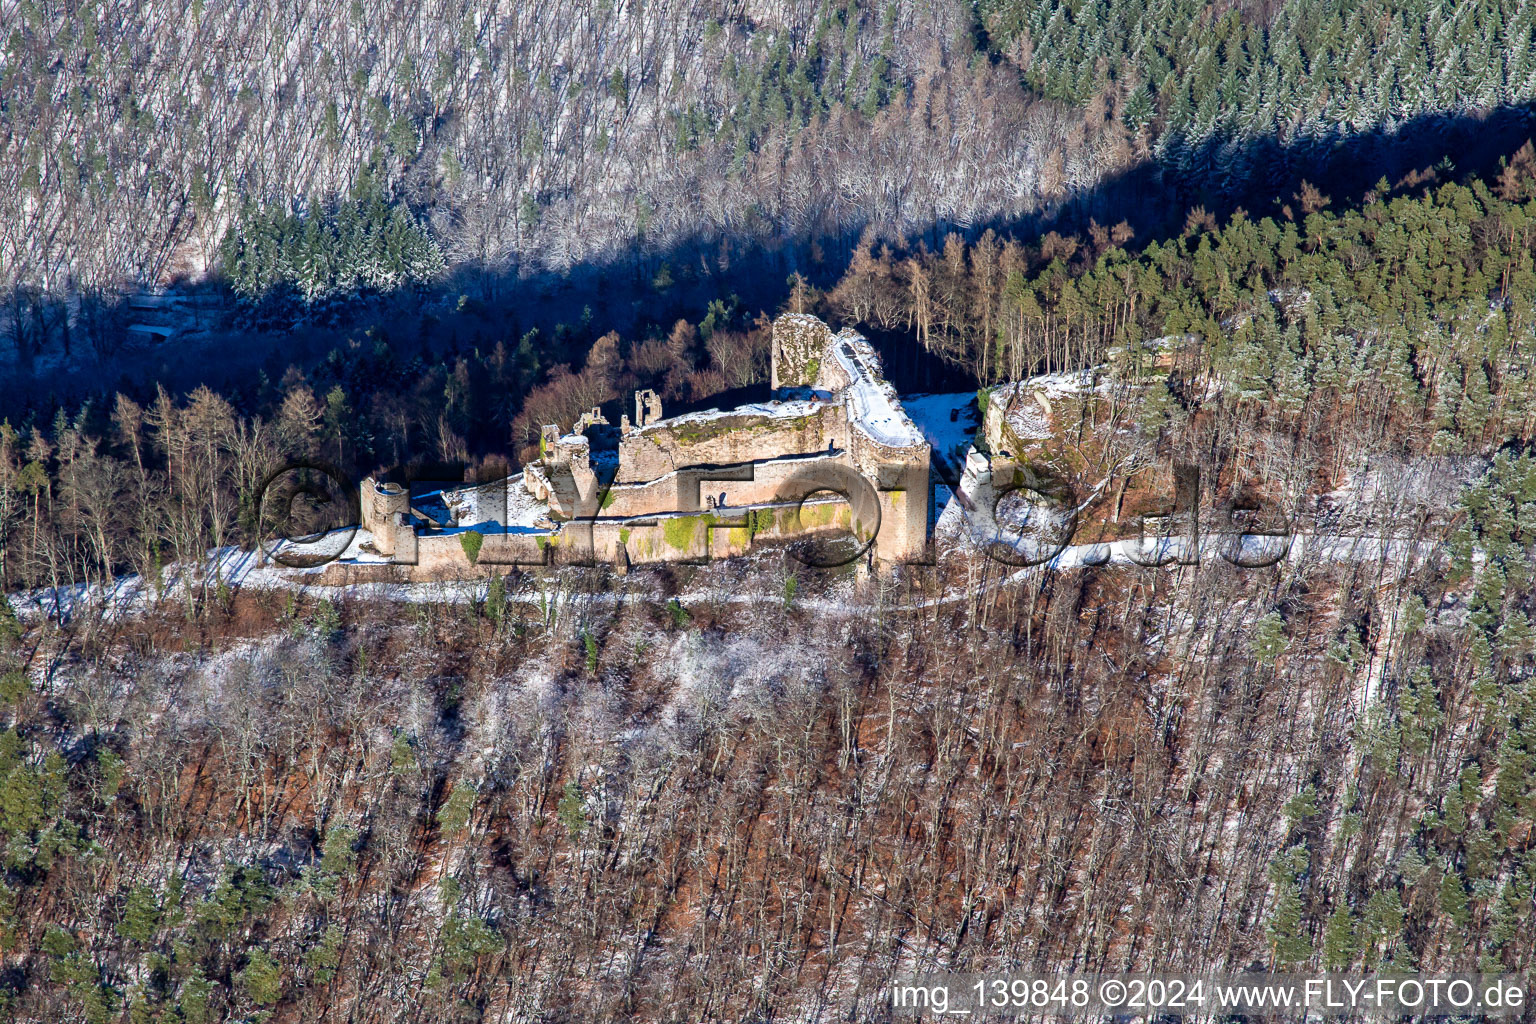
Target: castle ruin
x,y
831,453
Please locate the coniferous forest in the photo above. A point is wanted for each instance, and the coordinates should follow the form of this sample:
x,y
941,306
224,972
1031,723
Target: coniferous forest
x,y
1284,249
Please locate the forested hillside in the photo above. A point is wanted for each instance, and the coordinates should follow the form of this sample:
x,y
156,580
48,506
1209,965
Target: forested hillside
x,y
1426,291
1222,87
651,809
667,137
535,135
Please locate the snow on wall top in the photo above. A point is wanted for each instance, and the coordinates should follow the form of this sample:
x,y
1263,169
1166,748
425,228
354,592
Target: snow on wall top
x,y
767,410
873,405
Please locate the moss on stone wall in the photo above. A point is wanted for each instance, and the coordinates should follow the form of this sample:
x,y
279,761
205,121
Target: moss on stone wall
x,y
699,431
680,532
820,516
815,516
798,344
703,430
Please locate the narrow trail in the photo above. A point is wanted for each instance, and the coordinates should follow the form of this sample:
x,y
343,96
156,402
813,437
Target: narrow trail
x,y
240,570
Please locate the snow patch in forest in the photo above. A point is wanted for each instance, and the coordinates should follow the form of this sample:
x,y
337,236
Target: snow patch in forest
x,y
715,675
511,710
1027,405
1023,413
1428,481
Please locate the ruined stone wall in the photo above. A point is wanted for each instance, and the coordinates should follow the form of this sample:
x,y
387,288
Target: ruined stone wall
x,y
437,552
900,478
379,501
899,472
727,439
831,374
663,503
683,537
385,509
799,344
687,491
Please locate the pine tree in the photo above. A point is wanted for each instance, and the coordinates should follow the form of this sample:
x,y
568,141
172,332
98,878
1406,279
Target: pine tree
x,y
141,916
1269,641
1289,942
261,978
1476,404
1339,943
1382,923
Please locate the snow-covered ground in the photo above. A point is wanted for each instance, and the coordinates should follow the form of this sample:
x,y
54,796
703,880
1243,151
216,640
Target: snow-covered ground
x,y
1027,405
236,569
502,506
1024,531
948,422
